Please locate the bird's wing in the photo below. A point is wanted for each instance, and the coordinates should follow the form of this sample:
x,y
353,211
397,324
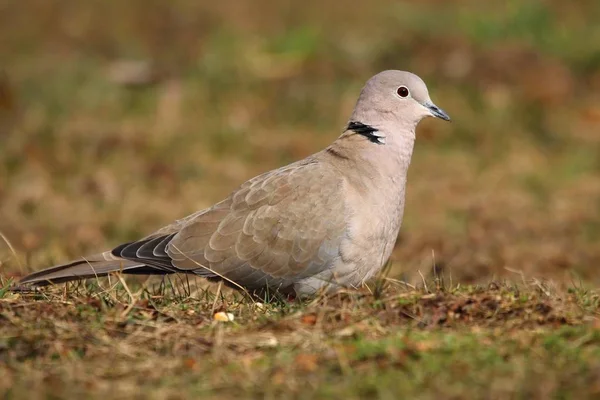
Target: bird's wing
x,y
285,224
276,228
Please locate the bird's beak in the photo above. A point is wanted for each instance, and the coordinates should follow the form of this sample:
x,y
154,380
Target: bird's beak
x,y
436,111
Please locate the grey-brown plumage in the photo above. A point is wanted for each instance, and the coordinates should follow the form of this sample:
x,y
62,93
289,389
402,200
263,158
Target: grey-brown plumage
x,y
328,221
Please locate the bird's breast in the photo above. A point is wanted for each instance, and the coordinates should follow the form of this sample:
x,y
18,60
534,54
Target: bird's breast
x,y
373,225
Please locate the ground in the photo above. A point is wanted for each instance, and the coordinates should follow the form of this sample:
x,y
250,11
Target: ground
x,y
118,117
492,341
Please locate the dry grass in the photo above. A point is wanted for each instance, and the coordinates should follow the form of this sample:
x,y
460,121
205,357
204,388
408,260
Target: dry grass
x,y
163,342
96,150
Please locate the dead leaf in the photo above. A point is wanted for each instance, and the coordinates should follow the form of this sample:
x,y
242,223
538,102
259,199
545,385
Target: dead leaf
x,y
307,362
309,319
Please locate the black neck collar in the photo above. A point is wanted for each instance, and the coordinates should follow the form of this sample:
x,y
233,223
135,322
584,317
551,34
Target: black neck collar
x,y
365,130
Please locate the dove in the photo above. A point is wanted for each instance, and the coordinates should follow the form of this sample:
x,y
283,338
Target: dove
x,y
327,222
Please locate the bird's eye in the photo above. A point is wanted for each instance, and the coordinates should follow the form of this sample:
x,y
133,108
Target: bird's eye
x,y
402,91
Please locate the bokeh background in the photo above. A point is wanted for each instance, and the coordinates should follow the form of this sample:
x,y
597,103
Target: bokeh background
x,y
117,117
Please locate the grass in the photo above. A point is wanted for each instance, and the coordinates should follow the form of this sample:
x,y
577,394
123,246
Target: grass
x,y
496,341
93,154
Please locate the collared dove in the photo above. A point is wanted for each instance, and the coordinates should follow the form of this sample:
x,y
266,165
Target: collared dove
x,y
323,223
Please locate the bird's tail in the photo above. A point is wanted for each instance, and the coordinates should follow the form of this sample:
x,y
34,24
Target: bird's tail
x,y
89,267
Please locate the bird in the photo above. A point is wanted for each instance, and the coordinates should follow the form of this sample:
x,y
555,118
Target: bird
x,y
319,225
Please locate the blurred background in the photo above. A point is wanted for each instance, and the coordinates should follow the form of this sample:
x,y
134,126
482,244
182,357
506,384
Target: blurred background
x,y
117,117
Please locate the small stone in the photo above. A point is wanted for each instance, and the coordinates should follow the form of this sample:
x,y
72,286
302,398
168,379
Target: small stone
x,y
223,317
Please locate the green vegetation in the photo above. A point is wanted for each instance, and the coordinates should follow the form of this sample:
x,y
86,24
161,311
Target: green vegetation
x,y
118,117
498,341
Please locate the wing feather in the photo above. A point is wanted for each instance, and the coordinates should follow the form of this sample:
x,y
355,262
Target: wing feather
x,y
279,226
